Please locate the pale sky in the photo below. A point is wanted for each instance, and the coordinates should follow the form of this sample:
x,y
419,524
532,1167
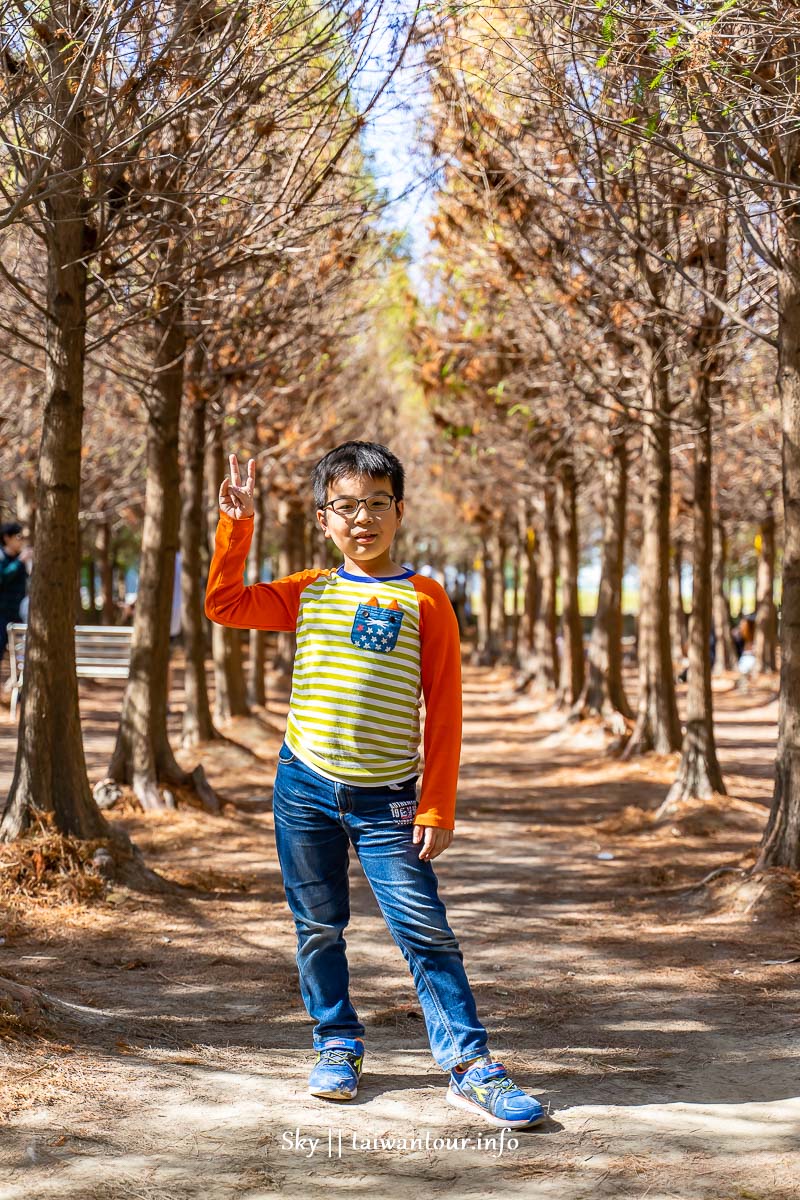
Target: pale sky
x,y
392,139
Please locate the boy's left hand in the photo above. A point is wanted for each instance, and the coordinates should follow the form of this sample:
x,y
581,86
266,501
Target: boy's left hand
x,y
434,840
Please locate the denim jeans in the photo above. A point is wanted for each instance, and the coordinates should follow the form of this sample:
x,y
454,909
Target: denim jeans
x,y
316,819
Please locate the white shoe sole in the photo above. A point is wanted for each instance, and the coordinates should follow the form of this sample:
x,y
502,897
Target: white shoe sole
x,y
459,1101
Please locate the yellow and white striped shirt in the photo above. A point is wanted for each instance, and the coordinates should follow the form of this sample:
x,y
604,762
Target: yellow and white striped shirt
x,y
368,651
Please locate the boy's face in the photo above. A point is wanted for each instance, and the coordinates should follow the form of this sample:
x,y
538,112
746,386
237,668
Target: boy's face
x,y
364,536
12,543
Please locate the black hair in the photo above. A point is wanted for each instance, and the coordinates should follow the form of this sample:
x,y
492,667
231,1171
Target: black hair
x,y
356,458
8,529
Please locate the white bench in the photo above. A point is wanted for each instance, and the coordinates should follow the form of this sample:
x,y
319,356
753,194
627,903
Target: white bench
x,y
101,652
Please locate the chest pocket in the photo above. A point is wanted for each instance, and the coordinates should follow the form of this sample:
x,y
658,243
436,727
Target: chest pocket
x,y
376,628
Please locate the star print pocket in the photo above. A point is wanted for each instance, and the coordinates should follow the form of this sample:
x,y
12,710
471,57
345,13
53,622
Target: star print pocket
x,y
376,628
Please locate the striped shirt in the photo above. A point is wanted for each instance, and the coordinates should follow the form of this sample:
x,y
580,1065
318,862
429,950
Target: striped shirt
x,y
369,650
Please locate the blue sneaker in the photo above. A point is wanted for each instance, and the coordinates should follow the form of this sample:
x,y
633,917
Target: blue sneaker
x,y
337,1069
486,1088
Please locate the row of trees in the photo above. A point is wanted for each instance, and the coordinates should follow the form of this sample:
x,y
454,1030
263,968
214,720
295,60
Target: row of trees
x,y
613,286
186,211
617,281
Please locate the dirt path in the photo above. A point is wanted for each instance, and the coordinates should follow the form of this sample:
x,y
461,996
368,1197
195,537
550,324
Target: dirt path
x,y
644,1017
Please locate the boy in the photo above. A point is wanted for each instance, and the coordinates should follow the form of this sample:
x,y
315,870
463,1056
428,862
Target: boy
x,y
371,635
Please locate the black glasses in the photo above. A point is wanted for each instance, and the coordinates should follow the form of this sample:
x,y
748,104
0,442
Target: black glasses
x,y
348,506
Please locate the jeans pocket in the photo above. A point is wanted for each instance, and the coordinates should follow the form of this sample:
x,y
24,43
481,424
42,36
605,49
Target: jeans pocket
x,y
285,756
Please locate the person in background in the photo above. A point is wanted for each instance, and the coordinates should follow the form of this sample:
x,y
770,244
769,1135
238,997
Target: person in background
x,y
747,659
14,560
738,637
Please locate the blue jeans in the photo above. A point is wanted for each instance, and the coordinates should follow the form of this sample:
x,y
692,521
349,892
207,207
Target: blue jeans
x,y
316,819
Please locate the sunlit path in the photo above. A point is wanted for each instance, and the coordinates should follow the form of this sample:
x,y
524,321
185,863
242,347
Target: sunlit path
x,y
635,1014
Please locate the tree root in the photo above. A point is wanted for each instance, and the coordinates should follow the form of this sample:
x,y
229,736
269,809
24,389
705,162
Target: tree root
x,y
26,1010
130,869
715,875
640,741
153,797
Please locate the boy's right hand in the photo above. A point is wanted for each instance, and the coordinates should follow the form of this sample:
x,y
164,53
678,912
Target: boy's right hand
x,y
235,500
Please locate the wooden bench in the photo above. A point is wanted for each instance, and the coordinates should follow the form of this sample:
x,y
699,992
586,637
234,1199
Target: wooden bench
x,y
101,652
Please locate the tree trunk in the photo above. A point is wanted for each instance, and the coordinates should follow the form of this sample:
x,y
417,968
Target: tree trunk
x,y
657,726
143,756
502,623
517,609
317,544
91,588
698,771
487,648
766,631
603,692
740,590
226,644
726,657
291,558
546,647
80,615
26,498
231,684
197,723
50,768
105,555
256,677
572,671
532,585
780,846
120,582
680,624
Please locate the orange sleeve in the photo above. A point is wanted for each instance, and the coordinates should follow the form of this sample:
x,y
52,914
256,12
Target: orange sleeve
x,y
440,650
260,605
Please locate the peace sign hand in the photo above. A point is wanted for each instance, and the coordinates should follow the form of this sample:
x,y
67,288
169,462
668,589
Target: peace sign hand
x,y
236,500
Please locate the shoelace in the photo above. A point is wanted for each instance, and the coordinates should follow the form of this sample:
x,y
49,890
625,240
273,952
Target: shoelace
x,y
497,1089
503,1085
337,1055
497,1086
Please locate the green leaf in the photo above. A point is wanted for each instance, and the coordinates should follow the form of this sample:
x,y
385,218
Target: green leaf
x,y
454,432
